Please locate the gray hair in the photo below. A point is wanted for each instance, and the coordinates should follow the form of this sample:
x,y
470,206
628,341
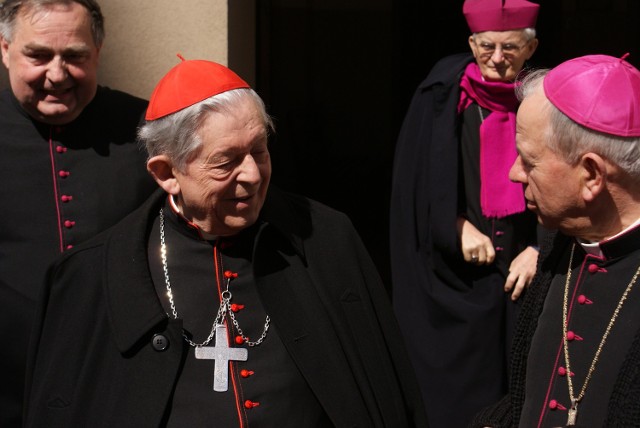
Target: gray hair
x,y
176,135
571,140
10,9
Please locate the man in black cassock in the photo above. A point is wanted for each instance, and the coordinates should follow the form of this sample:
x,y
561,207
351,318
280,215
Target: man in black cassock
x,y
576,353
222,301
70,166
463,246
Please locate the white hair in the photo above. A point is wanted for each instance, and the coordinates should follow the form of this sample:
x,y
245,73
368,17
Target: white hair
x,y
176,135
571,140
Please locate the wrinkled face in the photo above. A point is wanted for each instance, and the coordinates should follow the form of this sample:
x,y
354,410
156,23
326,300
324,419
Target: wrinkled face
x,y
552,187
501,54
223,187
52,62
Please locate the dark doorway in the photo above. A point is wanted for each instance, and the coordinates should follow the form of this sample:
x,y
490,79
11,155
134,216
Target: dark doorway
x,y
338,77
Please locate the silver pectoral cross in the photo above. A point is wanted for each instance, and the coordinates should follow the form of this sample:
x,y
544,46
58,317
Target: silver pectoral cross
x,y
222,354
572,413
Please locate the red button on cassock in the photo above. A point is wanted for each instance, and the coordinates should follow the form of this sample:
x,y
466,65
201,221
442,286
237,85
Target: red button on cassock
x,y
230,275
572,336
246,373
250,404
236,307
554,405
582,299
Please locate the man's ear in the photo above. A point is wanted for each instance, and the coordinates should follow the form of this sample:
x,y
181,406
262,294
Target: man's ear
x,y
531,47
161,169
594,174
473,47
4,47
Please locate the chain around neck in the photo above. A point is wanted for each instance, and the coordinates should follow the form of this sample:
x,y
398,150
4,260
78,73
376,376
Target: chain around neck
x,y
576,399
223,309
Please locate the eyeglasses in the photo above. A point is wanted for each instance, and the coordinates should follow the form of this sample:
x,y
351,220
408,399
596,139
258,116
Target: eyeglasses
x,y
487,49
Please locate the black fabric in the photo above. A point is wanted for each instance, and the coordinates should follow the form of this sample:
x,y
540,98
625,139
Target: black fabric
x,y
95,364
275,382
602,281
107,179
456,318
622,403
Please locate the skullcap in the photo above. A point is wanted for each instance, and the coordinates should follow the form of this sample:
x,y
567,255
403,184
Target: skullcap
x,y
499,15
188,83
600,92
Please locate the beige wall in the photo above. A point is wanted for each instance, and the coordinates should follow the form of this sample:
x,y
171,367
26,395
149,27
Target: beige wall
x,y
144,36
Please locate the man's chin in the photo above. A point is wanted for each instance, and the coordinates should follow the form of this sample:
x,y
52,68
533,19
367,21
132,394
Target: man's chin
x,y
237,223
56,113
497,76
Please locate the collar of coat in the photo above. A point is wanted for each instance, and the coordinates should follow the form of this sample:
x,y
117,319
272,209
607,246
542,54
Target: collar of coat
x,y
447,71
133,305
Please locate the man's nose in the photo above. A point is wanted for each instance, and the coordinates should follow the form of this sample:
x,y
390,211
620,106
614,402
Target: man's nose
x,y
57,70
249,170
497,56
516,173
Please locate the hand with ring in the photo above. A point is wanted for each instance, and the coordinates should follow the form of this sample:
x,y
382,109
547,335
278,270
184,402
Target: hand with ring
x,y
476,247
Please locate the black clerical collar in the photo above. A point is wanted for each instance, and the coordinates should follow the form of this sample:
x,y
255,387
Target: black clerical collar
x,y
619,245
279,213
180,223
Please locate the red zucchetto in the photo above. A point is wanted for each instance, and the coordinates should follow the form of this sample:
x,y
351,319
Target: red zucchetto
x,y
599,92
500,15
188,83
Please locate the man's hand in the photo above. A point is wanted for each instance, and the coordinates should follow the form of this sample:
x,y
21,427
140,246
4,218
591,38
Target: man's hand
x,y
521,272
476,246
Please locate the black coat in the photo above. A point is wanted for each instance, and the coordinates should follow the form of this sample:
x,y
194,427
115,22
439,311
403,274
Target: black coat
x,y
624,403
94,363
455,316
61,186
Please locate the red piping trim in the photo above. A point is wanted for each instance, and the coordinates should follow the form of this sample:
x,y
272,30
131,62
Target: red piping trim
x,y
560,348
55,190
236,394
551,381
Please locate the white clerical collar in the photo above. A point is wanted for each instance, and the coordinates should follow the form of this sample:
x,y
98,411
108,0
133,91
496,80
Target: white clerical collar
x,y
593,248
174,206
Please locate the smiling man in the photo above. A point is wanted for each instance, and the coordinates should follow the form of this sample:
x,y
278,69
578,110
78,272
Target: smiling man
x,y
222,300
52,57
463,246
577,348
70,165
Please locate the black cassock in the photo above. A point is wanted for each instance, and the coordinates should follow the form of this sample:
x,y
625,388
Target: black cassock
x,y
538,387
456,317
261,390
335,340
60,186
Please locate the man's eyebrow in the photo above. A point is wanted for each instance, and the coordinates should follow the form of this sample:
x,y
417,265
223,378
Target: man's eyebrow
x,y
73,49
